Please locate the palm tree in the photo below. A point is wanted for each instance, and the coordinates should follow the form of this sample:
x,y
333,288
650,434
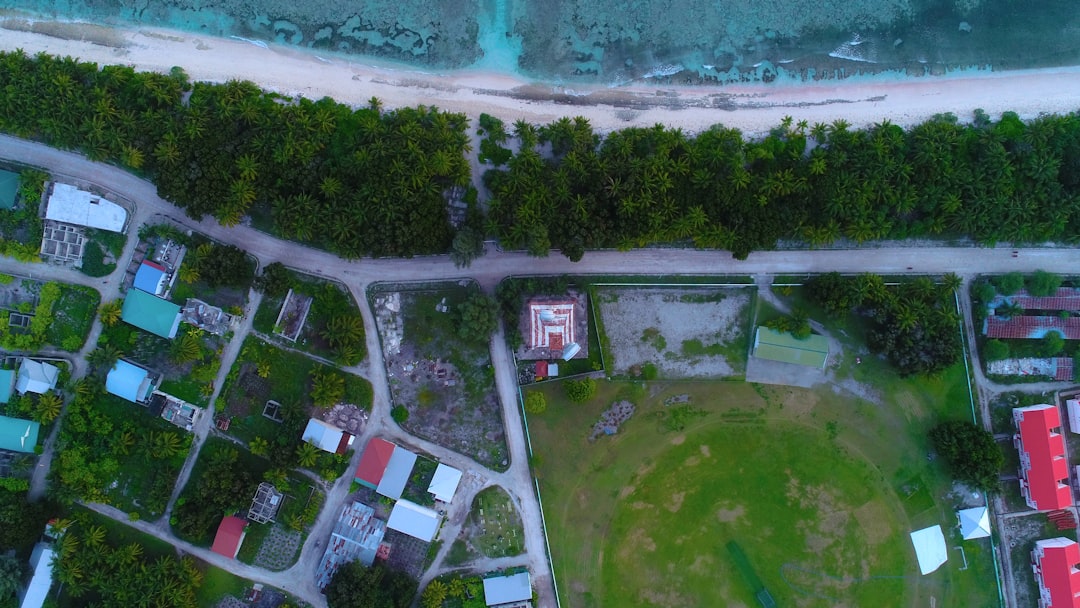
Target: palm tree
x,y
951,282
307,455
343,330
187,348
259,446
327,388
48,407
110,313
189,274
166,444
104,357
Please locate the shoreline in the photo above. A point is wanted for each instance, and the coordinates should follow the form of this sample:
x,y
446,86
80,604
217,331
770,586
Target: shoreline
x,y
752,108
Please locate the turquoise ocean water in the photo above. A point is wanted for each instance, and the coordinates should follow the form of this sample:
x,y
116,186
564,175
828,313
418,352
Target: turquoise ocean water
x,y
616,42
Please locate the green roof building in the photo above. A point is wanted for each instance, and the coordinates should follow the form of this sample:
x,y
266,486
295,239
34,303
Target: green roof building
x,y
151,313
18,435
783,347
9,189
7,384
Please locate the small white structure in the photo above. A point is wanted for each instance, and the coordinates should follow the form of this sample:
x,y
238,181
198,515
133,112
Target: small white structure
x,y
397,473
444,483
974,522
418,522
70,205
1072,406
930,548
38,589
36,377
513,590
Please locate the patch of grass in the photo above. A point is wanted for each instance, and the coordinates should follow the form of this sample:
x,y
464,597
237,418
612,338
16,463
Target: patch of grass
x,y
73,316
915,496
458,554
93,262
217,584
763,467
503,535
184,388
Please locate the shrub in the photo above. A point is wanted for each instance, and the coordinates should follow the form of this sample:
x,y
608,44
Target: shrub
x,y
996,350
535,403
580,391
649,371
400,414
970,452
1009,284
1043,283
1051,344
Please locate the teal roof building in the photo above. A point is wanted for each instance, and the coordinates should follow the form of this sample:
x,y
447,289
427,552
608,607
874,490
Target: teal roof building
x,y
9,189
151,313
785,348
18,435
7,384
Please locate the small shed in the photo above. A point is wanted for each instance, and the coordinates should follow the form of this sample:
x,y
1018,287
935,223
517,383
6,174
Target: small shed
x,y
974,523
41,561
265,504
153,278
36,377
930,548
7,384
373,462
785,348
130,382
327,437
418,522
507,590
151,313
230,535
397,473
444,483
18,435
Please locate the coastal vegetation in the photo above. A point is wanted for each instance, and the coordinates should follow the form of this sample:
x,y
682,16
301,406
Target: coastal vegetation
x,y
372,182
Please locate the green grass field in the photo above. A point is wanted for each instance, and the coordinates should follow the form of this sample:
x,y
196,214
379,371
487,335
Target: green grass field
x,y
819,488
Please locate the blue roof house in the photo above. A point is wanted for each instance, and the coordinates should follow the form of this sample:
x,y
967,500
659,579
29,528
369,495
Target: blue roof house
x,y
130,382
151,278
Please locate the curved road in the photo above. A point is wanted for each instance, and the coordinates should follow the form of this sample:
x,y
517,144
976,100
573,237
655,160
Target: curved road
x,y
489,270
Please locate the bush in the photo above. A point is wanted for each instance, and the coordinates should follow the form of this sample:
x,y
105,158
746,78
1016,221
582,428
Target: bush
x,y
649,371
400,414
1009,284
535,403
1052,344
996,350
1043,284
580,391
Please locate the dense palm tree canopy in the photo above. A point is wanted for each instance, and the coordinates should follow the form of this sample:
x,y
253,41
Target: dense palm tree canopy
x,y
373,182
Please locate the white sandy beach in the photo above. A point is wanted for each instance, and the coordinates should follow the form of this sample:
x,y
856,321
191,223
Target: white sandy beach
x,y
752,108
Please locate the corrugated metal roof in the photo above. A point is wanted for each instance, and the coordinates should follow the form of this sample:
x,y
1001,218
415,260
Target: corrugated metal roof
x,y
397,473
1032,327
151,313
18,435
507,589
410,518
1044,450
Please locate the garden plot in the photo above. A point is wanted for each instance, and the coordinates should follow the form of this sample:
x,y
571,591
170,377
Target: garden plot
x,y
685,333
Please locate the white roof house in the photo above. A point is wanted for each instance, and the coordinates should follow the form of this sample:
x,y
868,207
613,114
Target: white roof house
x,y
327,437
397,473
930,548
36,592
444,483
1072,406
974,523
503,590
418,522
36,376
70,205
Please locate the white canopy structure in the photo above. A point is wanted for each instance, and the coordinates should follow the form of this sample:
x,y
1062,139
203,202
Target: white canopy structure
x,y
444,483
930,548
974,522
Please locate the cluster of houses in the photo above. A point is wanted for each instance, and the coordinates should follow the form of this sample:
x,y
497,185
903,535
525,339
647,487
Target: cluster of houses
x,y
1044,484
32,376
1040,315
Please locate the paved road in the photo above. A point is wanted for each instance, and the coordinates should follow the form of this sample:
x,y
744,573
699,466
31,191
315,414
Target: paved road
x,y
496,265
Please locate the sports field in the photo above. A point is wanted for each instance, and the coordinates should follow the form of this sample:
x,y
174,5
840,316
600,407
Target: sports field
x,y
818,487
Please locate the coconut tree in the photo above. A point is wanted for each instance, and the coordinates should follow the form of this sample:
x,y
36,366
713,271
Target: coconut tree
x,y
307,455
48,407
110,313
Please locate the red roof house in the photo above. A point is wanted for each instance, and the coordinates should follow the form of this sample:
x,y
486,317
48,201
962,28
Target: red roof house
x,y
373,463
541,369
1055,562
230,535
1044,472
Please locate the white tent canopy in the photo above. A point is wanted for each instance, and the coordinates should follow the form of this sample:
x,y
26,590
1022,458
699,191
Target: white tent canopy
x,y
974,523
444,483
930,548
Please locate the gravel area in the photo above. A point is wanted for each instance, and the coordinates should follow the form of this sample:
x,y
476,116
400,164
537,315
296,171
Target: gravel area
x,y
686,333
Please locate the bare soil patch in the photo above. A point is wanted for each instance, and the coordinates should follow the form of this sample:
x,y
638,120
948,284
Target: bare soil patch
x,y
685,333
